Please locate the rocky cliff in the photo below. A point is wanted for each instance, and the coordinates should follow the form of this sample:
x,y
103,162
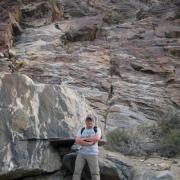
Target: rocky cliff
x,y
60,59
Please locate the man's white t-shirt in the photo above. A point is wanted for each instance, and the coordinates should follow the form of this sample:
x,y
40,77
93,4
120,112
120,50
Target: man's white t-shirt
x,y
92,149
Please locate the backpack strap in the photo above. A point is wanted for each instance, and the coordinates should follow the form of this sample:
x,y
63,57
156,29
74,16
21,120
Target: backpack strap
x,y
82,130
95,129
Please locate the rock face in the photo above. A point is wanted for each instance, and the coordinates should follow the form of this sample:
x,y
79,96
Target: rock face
x,y
128,72
34,15
9,24
83,29
30,114
123,56
38,13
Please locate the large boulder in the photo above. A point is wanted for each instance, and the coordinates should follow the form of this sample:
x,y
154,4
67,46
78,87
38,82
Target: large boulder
x,y
165,175
112,166
30,114
83,29
152,175
38,13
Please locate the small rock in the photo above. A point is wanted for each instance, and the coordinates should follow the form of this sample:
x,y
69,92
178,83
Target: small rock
x,y
1,55
174,162
108,163
163,166
165,175
6,54
12,52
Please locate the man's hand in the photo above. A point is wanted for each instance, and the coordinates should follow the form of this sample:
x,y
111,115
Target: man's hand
x,y
93,139
83,141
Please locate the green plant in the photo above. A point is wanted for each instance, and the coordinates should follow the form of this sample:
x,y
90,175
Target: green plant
x,y
128,143
112,17
169,145
162,138
169,135
116,139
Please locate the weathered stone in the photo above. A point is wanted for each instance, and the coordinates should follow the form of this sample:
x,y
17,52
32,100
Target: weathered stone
x,y
145,175
129,73
1,55
57,12
165,175
163,166
12,52
9,24
23,158
173,50
30,114
78,9
41,13
112,166
83,29
107,66
17,30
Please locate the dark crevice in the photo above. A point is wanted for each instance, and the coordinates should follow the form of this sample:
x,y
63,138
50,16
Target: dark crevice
x,y
38,175
111,88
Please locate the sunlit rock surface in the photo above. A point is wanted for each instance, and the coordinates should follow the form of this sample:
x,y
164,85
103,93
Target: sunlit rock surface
x,y
30,114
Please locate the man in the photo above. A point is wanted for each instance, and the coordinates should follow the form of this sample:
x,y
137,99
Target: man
x,y
88,138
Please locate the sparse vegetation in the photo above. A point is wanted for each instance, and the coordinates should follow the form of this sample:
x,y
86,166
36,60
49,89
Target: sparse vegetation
x,y
169,146
112,17
54,1
169,137
163,138
134,142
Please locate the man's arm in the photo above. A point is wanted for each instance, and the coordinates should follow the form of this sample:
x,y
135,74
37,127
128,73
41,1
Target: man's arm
x,y
93,139
96,137
83,142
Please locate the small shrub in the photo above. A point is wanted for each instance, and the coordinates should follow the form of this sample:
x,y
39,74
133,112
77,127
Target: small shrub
x,y
169,146
112,17
127,142
169,136
163,138
116,139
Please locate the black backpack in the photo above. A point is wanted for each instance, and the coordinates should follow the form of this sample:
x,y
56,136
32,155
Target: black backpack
x,y
95,129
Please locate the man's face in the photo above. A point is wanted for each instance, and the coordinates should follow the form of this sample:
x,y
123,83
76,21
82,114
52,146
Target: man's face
x,y
89,123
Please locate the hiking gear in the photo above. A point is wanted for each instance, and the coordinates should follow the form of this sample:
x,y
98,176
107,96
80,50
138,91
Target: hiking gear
x,y
95,129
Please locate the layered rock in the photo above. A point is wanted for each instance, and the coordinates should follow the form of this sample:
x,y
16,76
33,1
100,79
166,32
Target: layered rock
x,y
83,29
30,114
9,24
138,59
124,61
39,13
129,72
